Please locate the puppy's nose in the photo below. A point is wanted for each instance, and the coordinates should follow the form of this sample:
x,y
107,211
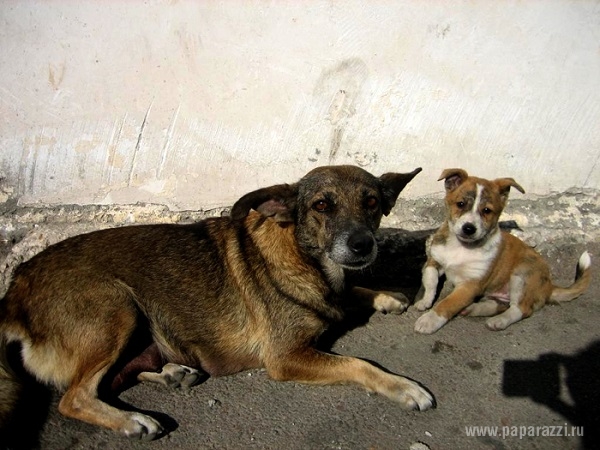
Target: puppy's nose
x,y
469,229
361,243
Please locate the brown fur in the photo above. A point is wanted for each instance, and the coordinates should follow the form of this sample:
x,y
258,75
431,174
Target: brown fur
x,y
480,260
223,295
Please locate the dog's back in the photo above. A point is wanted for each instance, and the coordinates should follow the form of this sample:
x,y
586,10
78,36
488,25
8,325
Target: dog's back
x,y
74,307
102,282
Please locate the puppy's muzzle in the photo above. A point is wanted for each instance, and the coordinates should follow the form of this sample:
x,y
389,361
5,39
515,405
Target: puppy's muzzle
x,y
468,229
469,233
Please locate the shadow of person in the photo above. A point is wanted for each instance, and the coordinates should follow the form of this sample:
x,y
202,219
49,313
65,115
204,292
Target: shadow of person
x,y
542,380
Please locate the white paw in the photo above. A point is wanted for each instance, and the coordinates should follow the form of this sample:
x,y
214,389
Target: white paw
x,y
423,304
502,321
391,302
497,323
173,376
429,323
416,397
180,376
142,427
411,395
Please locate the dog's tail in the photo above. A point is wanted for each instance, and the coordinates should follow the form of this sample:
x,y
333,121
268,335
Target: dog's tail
x,y
10,385
10,389
582,281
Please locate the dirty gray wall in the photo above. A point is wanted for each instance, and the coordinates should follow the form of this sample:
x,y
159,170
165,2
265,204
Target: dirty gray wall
x,y
191,104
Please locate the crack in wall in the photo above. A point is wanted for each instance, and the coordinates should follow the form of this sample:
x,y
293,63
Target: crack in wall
x,y
138,144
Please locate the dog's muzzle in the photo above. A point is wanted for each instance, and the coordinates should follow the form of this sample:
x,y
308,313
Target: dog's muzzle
x,y
354,250
361,244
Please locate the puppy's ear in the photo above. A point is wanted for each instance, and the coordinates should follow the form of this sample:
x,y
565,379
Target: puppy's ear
x,y
278,202
392,185
453,178
504,185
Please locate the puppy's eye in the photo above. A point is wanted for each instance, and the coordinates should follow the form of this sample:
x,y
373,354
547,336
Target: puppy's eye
x,y
460,204
321,206
372,202
487,210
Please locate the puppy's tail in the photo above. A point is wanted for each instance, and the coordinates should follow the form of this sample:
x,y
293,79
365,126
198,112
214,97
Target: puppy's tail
x,y
581,283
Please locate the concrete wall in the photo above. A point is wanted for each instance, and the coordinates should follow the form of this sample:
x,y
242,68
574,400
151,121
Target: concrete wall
x,y
193,103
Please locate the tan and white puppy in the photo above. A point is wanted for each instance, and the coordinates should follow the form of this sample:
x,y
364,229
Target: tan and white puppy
x,y
485,263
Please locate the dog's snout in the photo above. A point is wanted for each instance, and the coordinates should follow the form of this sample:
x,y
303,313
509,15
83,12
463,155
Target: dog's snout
x,y
361,243
469,229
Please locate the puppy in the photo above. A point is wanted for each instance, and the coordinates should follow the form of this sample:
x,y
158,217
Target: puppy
x,y
482,261
255,289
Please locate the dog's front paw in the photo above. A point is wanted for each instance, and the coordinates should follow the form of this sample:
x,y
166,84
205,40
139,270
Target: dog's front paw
x,y
141,426
391,302
429,323
412,396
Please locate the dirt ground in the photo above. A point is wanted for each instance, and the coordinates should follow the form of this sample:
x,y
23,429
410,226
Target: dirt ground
x,y
535,385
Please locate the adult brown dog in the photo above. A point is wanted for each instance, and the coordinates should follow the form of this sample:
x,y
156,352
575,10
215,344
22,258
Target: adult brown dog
x,y
255,289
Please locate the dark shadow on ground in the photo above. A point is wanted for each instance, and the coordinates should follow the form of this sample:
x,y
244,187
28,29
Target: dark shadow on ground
x,y
540,380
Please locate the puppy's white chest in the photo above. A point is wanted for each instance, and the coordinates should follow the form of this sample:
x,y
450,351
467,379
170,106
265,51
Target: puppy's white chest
x,y
461,263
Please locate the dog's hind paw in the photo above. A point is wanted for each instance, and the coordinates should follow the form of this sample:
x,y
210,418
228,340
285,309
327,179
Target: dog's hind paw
x,y
173,376
498,323
484,308
142,427
502,321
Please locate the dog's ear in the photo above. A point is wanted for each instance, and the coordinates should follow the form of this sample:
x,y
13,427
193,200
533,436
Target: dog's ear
x,y
392,185
453,178
504,185
278,202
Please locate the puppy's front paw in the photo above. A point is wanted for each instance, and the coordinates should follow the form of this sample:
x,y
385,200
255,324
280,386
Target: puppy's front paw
x,y
423,304
429,323
391,302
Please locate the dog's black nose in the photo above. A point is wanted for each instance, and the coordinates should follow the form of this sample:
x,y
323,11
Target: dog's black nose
x,y
469,229
361,243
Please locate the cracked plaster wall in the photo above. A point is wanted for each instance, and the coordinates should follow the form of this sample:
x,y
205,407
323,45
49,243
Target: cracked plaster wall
x,y
191,104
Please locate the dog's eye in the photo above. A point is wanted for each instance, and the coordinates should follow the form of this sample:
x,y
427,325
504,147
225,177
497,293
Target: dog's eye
x,y
461,204
372,202
487,210
321,206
